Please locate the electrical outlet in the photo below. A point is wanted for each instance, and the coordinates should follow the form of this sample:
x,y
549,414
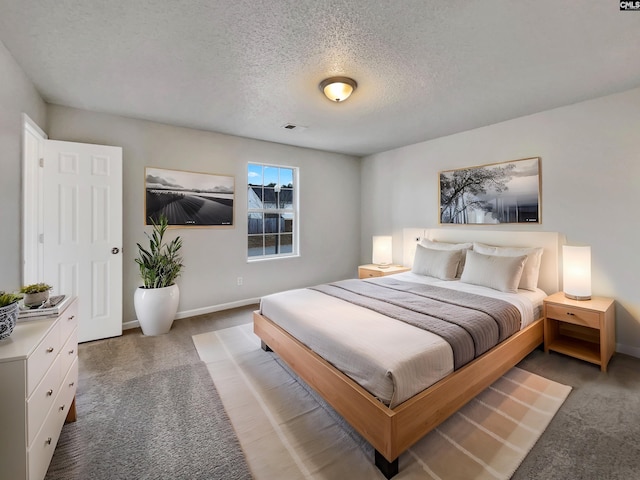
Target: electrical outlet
x,y
239,281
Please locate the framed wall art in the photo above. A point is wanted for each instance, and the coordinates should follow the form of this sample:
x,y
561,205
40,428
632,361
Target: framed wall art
x,y
189,199
507,192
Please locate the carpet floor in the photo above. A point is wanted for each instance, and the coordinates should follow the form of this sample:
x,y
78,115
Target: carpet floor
x,y
287,431
147,409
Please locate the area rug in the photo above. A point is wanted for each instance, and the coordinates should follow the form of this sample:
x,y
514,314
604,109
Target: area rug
x,y
288,432
146,425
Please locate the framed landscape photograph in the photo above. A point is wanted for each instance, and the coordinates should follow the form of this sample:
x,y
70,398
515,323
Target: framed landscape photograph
x,y
189,199
507,192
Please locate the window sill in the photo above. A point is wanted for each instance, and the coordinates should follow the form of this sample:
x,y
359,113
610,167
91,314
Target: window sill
x,y
274,257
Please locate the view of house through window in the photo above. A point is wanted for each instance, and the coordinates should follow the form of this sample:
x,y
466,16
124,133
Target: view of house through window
x,y
272,198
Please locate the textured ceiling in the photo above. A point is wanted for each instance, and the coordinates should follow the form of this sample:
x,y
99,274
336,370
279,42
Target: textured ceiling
x,y
247,67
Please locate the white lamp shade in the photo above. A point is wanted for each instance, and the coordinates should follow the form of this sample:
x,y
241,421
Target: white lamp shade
x,y
382,249
576,272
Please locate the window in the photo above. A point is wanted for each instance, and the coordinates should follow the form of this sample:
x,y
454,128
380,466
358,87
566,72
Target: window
x,y
272,211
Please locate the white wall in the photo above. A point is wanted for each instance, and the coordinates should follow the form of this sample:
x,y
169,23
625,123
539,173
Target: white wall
x,y
590,167
214,258
17,95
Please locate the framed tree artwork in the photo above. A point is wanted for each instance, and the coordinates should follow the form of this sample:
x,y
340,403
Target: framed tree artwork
x,y
507,192
188,199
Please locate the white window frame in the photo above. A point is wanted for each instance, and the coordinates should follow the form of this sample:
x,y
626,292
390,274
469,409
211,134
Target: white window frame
x,y
295,247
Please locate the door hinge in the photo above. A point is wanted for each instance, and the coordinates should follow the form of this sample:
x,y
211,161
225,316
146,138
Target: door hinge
x,y
41,238
42,163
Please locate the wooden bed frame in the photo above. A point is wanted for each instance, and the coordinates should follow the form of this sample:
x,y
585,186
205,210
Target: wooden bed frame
x,y
392,431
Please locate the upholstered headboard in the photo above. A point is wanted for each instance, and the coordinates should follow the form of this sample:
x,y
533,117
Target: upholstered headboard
x,y
549,241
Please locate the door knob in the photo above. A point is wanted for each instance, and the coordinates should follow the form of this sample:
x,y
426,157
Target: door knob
x,y
115,250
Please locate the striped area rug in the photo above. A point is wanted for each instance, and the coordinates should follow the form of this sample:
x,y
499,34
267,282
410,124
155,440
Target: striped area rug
x,y
288,432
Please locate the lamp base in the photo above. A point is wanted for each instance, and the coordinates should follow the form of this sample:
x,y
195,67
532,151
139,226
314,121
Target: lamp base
x,y
383,265
577,297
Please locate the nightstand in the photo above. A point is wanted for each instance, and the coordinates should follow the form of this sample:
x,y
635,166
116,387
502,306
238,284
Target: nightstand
x,y
372,270
584,329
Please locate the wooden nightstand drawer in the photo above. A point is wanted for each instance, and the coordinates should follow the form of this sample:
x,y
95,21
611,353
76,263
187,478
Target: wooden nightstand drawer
x,y
368,273
573,315
372,270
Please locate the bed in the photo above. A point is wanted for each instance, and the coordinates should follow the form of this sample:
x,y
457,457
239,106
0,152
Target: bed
x,y
393,417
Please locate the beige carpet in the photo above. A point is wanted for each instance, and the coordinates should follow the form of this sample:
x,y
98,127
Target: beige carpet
x,y
286,433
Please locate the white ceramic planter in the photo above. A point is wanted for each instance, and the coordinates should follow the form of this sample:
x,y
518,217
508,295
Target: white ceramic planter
x,y
35,299
156,308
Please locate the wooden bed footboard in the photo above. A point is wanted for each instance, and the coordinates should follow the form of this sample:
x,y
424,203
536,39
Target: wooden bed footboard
x,y
392,431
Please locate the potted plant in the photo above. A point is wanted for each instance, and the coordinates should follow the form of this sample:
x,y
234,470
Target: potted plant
x,y
156,302
35,294
8,313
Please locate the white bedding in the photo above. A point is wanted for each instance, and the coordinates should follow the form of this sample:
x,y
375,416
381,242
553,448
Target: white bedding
x,y
391,359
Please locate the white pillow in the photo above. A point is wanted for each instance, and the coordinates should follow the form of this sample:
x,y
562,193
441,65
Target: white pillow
x,y
441,264
494,271
529,280
463,247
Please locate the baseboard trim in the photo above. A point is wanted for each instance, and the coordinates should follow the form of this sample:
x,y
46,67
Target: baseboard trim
x,y
200,311
626,349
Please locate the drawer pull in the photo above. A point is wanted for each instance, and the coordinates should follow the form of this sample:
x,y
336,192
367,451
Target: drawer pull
x,y
571,314
71,352
48,441
72,384
49,392
50,349
62,407
71,317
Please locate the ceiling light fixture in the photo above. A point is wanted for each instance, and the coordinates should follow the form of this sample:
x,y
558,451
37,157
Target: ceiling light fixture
x,y
338,89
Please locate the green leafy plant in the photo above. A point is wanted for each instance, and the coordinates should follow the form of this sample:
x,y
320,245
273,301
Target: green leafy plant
x,y
36,288
8,298
160,264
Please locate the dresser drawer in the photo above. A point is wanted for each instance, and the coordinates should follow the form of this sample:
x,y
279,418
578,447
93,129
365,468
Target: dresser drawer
x,y
43,357
573,315
39,403
68,320
68,389
41,450
69,352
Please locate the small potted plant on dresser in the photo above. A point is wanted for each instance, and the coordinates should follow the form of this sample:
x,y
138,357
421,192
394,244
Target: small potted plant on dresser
x,y
8,313
156,302
35,294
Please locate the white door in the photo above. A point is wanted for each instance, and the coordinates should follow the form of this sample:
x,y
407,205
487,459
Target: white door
x,y
83,232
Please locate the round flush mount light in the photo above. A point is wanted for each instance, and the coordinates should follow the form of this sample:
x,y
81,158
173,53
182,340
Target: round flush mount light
x,y
338,89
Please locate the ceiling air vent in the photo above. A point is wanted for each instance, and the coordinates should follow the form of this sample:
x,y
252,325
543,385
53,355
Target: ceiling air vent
x,y
291,126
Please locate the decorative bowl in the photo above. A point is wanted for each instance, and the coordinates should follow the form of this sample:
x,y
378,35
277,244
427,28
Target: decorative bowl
x,y
8,317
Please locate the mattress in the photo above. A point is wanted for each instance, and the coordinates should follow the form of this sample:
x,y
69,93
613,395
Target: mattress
x,y
389,358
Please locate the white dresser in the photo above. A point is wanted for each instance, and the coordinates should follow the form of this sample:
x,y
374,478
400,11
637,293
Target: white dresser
x,y
38,379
